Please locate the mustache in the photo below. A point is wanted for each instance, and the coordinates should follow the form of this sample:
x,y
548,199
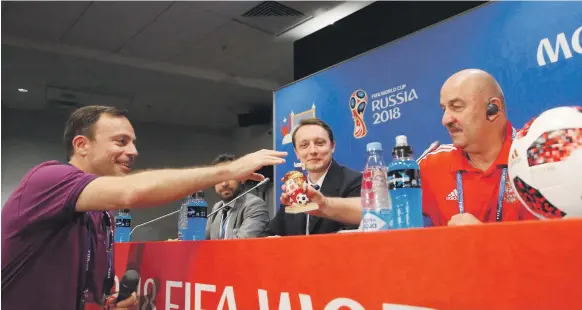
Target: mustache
x,y
453,126
228,188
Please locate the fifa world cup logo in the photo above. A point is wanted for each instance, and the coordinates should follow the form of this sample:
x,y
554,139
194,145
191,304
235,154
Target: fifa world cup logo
x,y
358,103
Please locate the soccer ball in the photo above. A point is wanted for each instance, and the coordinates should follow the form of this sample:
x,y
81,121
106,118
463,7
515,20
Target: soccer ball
x,y
545,164
302,199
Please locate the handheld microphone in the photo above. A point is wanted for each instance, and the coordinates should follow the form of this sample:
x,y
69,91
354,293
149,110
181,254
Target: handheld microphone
x,y
127,285
237,197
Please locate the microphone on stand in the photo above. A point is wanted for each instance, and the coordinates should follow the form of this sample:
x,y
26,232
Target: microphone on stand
x,y
431,148
222,207
154,220
237,197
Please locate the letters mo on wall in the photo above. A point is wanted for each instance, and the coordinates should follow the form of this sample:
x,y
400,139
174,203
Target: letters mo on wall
x,y
532,48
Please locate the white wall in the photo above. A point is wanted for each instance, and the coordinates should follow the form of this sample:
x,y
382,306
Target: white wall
x,y
29,138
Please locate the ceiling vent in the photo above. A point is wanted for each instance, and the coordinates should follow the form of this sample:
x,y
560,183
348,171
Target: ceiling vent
x,y
64,99
272,8
272,17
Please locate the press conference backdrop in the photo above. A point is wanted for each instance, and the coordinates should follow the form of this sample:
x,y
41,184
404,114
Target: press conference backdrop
x,y
532,48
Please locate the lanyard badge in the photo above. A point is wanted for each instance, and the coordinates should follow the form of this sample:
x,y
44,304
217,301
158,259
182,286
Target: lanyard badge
x,y
502,181
108,282
461,200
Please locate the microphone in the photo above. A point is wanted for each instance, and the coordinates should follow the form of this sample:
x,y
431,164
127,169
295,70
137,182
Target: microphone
x,y
154,220
431,148
127,285
177,211
237,197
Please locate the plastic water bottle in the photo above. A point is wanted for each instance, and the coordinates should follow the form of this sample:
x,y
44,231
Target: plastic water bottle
x,y
405,187
197,210
122,225
192,219
183,220
376,205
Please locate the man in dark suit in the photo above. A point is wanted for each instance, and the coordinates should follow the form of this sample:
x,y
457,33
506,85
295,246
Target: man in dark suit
x,y
314,146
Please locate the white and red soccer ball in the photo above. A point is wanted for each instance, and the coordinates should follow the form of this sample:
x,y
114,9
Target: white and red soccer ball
x,y
545,164
301,199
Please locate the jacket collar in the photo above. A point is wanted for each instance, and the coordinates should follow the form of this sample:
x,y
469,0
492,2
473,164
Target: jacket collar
x,y
333,180
460,161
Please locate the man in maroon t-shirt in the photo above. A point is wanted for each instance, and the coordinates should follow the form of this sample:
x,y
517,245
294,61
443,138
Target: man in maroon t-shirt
x,y
61,212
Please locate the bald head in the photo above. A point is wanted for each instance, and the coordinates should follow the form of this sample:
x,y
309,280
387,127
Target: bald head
x,y
464,99
475,84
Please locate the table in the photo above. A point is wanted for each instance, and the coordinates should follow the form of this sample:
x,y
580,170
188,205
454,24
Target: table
x,y
518,265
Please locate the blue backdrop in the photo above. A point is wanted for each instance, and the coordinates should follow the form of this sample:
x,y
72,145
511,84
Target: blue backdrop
x,y
532,48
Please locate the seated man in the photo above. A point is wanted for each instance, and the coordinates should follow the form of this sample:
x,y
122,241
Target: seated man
x,y
314,146
466,182
247,217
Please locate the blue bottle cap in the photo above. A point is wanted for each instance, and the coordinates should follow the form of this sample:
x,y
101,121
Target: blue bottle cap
x,y
374,146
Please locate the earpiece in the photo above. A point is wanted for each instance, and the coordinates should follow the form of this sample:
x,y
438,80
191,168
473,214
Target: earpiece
x,y
492,109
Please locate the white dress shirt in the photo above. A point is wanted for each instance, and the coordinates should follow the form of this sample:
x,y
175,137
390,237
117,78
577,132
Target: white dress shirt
x,y
319,183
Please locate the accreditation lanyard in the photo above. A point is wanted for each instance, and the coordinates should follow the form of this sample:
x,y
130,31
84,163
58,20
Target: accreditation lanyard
x,y
461,200
108,281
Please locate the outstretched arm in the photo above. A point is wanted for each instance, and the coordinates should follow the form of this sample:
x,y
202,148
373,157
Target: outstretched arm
x,y
157,187
344,210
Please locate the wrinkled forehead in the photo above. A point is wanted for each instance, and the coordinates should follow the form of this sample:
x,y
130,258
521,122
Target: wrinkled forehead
x,y
459,92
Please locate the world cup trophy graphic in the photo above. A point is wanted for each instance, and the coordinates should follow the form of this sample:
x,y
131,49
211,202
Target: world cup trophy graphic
x,y
358,103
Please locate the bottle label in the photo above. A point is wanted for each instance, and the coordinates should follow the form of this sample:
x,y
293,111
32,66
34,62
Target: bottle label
x,y
367,179
404,178
374,179
121,222
197,212
373,220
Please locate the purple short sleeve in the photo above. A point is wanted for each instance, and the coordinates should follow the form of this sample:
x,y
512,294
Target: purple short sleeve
x,y
50,192
44,243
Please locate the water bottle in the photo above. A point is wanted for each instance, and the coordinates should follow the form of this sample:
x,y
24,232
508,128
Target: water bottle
x,y
183,220
405,187
192,219
122,225
376,205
